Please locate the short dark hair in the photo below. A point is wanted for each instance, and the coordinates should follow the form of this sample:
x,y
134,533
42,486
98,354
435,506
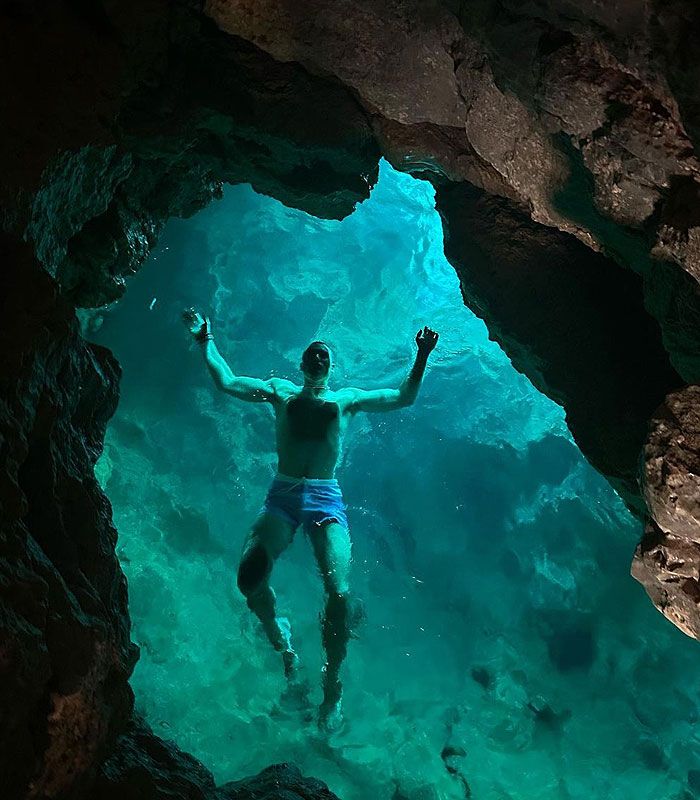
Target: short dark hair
x,y
314,345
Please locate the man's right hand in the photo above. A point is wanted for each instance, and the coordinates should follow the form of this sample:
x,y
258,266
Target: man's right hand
x,y
426,340
198,325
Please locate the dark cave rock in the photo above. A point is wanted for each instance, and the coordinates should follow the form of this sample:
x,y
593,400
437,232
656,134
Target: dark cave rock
x,y
145,767
671,294
277,781
216,110
503,79
65,622
672,465
675,28
570,319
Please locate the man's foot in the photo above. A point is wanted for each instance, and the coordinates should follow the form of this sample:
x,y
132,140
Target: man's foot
x,y
330,712
289,657
296,695
330,717
291,665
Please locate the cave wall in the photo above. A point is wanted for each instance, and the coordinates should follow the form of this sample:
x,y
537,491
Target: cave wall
x,y
569,320
66,652
579,120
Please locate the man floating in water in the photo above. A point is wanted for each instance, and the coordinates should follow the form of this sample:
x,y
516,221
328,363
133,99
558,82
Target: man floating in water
x,y
310,423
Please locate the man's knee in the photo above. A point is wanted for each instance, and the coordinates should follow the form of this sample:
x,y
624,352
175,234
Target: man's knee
x,y
343,614
335,584
254,570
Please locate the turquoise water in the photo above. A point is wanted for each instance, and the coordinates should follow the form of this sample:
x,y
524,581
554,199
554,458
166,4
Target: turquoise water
x,y
493,561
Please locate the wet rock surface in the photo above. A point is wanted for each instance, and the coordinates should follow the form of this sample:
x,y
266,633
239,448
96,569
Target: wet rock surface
x,y
667,561
580,118
66,653
672,465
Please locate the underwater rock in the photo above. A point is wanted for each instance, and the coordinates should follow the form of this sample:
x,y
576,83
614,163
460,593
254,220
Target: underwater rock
x,y
277,781
451,757
546,715
146,767
482,676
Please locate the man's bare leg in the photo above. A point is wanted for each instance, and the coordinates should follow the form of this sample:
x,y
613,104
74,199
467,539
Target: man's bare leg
x,y
268,539
333,550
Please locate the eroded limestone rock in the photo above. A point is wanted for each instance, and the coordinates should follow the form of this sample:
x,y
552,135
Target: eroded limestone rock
x,y
672,465
667,561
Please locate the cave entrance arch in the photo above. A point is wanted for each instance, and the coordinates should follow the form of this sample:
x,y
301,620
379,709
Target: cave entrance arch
x,y
464,508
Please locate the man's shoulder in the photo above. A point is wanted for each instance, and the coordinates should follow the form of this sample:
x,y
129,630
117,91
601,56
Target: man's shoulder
x,y
346,397
283,388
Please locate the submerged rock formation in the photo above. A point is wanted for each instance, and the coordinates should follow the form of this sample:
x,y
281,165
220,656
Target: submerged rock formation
x,y
562,140
144,766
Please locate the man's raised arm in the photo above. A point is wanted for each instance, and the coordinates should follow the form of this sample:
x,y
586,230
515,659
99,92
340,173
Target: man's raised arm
x,y
405,395
253,390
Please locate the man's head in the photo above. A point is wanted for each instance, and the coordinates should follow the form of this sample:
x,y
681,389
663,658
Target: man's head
x,y
316,362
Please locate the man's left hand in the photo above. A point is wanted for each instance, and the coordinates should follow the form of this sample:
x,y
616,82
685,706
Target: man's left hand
x,y
426,341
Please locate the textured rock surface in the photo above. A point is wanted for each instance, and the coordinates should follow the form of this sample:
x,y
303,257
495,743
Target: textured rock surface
x,y
66,655
278,781
509,80
667,561
672,465
143,766
217,110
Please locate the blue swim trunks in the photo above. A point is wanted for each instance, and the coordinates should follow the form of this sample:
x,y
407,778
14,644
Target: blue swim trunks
x,y
310,502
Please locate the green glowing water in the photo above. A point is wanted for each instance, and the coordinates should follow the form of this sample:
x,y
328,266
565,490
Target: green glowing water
x,y
492,559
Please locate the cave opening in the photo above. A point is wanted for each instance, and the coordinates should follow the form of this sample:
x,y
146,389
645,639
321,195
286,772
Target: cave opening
x,y
491,557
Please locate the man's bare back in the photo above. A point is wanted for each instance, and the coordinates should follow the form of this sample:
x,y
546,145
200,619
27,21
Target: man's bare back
x,y
310,422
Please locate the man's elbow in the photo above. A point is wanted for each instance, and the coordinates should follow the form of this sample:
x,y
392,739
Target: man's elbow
x,y
224,385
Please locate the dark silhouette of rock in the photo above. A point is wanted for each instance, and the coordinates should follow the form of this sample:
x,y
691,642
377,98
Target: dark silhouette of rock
x,y
482,676
65,625
145,767
598,353
278,781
